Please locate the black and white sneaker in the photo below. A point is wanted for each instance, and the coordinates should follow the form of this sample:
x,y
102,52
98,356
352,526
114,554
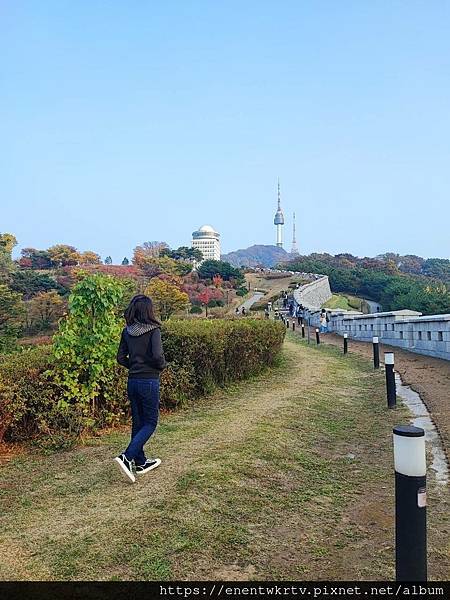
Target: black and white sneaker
x,y
149,465
126,467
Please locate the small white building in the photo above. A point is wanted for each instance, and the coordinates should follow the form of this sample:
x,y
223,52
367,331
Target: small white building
x,y
207,240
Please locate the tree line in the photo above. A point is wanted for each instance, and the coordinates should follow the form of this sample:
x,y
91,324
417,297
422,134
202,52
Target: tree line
x,y
35,288
392,280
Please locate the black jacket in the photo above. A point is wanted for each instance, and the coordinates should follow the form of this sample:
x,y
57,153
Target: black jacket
x,y
142,355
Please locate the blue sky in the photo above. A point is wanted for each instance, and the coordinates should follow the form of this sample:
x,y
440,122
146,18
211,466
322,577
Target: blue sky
x,y
123,122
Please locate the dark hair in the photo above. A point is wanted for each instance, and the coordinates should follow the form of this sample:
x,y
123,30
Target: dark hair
x,y
141,310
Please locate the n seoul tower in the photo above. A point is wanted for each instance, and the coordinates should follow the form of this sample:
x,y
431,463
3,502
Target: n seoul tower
x,y
279,220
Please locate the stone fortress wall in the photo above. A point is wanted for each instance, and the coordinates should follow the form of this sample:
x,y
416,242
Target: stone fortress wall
x,y
313,295
407,329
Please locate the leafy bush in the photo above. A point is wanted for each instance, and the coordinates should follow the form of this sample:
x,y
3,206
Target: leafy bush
x,y
27,397
201,354
196,310
11,311
85,345
221,351
214,303
241,292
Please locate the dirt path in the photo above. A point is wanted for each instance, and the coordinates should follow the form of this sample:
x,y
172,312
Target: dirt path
x,y
286,476
428,376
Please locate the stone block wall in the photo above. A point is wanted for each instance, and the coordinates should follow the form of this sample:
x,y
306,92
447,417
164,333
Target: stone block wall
x,y
313,295
404,328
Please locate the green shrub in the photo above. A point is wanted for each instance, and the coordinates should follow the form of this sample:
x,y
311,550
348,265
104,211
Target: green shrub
x,y
26,395
241,292
196,310
202,354
215,303
85,348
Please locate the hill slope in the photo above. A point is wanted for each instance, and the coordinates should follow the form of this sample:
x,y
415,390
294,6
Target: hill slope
x,y
257,255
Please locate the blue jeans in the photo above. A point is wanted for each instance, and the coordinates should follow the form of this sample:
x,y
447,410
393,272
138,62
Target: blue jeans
x,y
144,399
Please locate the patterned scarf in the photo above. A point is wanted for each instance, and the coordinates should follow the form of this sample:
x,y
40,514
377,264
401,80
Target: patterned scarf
x,y
140,328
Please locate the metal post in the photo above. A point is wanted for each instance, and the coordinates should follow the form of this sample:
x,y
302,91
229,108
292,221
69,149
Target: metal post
x,y
303,330
317,337
376,353
410,503
391,389
287,323
293,325
309,328
345,343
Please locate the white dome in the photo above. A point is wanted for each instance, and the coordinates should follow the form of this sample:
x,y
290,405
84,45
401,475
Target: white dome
x,y
207,229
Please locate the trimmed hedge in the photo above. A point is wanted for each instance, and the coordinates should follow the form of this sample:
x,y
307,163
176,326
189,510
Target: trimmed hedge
x,y
202,354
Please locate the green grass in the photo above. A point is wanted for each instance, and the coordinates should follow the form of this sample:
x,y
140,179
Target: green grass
x,y
344,301
257,482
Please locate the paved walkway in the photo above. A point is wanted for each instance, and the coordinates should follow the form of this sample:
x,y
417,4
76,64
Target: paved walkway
x,y
250,301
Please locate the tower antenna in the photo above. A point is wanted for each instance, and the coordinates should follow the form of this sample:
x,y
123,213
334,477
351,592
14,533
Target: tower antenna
x,y
279,219
294,249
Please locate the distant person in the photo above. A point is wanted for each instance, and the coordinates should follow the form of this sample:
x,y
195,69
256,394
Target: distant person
x,y
291,309
299,314
323,322
267,313
237,310
141,352
244,312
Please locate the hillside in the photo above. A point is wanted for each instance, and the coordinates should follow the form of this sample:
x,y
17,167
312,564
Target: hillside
x,y
394,281
257,255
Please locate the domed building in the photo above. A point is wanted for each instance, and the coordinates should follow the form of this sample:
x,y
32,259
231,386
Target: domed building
x,y
207,240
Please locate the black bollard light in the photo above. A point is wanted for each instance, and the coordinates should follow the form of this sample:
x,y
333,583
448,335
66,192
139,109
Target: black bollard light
x,y
317,337
391,389
410,503
345,343
303,330
376,353
293,325
287,323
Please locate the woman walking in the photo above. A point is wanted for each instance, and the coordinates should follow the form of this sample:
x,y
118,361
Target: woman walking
x,y
141,352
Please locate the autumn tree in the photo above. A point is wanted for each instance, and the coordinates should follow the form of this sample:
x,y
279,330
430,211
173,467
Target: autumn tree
x,y
11,315
7,243
209,268
153,266
45,309
167,297
217,281
183,253
148,250
63,255
30,258
205,298
90,258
